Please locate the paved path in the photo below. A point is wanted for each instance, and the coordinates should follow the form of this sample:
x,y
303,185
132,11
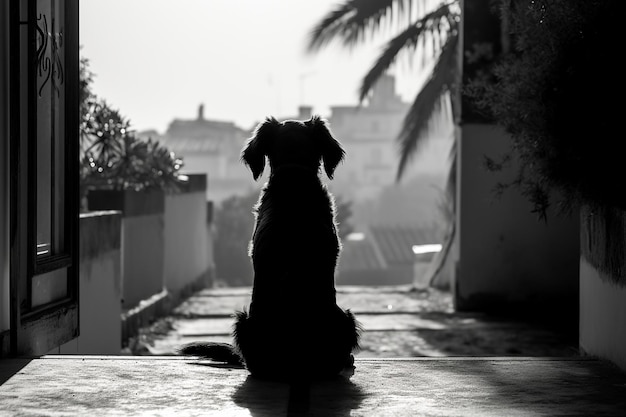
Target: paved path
x,y
398,322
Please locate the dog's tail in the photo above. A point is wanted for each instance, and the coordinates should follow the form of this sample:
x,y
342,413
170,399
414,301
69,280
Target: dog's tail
x,y
220,352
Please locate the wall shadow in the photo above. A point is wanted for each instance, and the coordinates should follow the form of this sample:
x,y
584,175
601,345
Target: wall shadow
x,y
10,367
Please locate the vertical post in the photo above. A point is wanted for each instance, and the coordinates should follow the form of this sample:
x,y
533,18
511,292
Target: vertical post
x,y
5,312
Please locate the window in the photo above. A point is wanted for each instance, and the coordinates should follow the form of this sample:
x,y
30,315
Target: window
x,y
44,184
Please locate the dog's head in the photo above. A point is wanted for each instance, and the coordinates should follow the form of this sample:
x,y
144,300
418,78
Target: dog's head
x,y
301,143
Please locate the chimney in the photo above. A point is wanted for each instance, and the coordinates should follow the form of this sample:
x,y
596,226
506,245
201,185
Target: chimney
x,y
201,112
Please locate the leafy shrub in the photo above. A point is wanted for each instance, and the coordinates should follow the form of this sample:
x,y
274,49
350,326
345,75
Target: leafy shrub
x,y
555,94
112,156
234,223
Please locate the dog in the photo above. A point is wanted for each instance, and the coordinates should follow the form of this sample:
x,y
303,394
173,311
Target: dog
x,y
294,328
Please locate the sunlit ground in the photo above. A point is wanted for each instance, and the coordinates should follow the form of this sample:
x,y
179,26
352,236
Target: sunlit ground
x,y
397,323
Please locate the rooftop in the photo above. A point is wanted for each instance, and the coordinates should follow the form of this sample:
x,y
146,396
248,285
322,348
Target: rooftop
x,y
381,246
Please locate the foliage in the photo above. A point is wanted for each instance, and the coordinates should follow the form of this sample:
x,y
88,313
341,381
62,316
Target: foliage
x,y
234,223
554,94
417,23
112,156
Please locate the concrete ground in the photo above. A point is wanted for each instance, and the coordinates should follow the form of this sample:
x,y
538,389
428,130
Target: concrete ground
x,y
501,368
398,322
173,386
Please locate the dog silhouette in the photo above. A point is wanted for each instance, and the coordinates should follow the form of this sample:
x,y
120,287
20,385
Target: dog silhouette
x,y
294,328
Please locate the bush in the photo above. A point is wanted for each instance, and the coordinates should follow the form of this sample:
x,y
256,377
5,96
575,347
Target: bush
x,y
234,223
554,94
112,157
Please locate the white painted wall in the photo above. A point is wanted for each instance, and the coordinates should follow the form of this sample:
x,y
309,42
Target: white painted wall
x,y
507,257
142,257
100,286
602,330
188,255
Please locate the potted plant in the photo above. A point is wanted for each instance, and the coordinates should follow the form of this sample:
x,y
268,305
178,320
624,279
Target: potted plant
x,y
115,163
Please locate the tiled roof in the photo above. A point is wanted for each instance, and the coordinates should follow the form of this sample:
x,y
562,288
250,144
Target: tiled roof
x,y
359,255
383,246
396,243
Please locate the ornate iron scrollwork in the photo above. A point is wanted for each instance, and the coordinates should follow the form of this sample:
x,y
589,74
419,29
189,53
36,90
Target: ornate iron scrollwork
x,y
49,67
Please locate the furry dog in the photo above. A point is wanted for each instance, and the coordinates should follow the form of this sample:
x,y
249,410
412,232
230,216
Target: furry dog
x,y
294,328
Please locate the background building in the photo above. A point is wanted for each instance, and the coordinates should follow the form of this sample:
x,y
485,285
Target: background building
x,y
210,147
369,133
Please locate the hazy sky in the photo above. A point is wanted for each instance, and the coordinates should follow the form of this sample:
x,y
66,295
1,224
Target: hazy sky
x,y
156,60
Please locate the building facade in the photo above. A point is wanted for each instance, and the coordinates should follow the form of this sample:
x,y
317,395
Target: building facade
x,y
213,148
368,133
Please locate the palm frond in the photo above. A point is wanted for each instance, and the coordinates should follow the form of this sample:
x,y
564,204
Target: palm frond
x,y
418,121
407,40
352,20
451,176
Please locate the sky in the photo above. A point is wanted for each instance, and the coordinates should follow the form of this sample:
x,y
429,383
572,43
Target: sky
x,y
157,60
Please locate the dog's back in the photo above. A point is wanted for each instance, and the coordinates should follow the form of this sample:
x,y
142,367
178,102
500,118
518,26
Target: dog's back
x,y
294,328
294,246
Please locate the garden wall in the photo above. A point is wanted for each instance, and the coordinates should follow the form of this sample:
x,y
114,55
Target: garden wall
x,y
188,253
510,261
603,285
142,240
166,249
100,288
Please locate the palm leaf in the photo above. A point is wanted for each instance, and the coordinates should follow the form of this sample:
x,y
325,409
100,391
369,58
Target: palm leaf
x,y
407,40
353,20
418,121
451,177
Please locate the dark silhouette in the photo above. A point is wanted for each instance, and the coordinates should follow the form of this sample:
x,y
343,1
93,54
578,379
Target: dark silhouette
x,y
294,329
336,397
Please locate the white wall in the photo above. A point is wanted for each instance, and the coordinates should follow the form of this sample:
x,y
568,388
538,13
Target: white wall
x,y
142,258
188,256
507,256
100,288
602,316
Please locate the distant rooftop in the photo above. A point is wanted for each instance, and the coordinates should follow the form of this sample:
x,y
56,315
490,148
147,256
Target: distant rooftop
x,y
204,135
396,243
382,246
360,255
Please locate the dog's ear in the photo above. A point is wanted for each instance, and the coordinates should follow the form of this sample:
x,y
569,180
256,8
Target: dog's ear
x,y
331,150
256,148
